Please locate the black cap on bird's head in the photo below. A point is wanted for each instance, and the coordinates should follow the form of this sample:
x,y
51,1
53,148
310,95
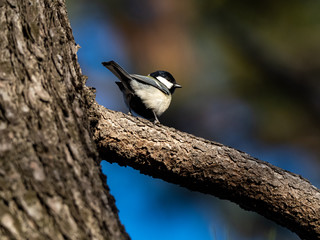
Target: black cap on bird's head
x,y
167,79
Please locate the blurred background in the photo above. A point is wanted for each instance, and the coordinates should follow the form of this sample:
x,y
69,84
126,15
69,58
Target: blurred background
x,y
250,73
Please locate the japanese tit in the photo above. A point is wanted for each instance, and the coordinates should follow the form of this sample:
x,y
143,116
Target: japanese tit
x,y
149,96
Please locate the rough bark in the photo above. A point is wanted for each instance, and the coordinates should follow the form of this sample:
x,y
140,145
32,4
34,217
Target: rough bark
x,y
209,167
51,186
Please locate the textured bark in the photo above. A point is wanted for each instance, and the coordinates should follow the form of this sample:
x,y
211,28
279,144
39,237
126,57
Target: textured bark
x,y
51,186
209,167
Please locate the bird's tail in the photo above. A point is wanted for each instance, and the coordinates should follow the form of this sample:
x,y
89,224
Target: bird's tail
x,y
118,71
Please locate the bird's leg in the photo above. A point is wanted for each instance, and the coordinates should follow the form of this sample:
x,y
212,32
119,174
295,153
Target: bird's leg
x,y
130,113
156,120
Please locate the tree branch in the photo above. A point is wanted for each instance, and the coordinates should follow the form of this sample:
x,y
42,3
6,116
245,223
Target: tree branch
x,y
208,167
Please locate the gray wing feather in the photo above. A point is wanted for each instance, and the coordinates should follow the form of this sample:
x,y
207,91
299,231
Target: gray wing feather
x,y
125,77
151,81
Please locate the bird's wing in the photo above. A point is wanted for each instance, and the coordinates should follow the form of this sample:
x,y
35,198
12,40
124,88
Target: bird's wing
x,y
151,81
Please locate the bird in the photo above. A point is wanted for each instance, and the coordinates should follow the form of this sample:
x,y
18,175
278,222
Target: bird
x,y
148,96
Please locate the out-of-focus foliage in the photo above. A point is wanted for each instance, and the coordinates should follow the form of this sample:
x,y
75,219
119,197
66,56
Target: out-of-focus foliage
x,y
250,73
274,59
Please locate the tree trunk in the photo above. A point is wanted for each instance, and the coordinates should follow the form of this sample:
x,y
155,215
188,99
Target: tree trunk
x,y
51,186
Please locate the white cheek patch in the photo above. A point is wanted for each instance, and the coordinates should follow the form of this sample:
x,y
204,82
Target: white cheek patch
x,y
168,84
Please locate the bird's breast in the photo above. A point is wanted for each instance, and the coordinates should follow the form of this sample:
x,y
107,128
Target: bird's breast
x,y
152,97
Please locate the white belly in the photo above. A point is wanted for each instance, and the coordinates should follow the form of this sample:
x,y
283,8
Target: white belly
x,y
152,97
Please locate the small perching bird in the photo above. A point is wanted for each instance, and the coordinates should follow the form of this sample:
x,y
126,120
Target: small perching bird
x,y
148,96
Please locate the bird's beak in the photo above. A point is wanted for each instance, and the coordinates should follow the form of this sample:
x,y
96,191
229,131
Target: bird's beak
x,y
177,85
